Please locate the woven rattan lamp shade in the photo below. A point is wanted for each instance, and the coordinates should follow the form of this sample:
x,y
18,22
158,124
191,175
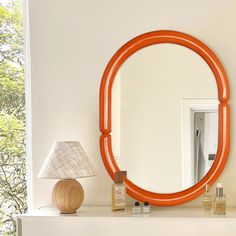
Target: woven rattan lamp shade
x,y
66,160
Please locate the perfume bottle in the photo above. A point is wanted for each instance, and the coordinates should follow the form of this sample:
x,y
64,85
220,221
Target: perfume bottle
x,y
219,201
207,199
136,208
146,208
119,192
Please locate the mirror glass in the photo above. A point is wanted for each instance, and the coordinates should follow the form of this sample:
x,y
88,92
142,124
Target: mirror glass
x,y
164,118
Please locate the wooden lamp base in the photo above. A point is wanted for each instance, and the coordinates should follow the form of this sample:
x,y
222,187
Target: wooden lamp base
x,y
68,195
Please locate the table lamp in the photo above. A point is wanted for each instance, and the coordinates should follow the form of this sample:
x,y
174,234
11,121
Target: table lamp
x,y
67,161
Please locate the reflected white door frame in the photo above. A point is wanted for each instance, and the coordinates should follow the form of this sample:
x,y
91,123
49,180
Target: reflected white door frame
x,y
189,107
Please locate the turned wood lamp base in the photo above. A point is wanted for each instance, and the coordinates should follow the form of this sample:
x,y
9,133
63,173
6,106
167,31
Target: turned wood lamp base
x,y
68,195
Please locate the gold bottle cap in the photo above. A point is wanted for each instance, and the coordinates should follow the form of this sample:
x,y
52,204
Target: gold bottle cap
x,y
119,176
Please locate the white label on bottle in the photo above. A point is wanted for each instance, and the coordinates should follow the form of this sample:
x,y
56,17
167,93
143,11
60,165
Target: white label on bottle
x,y
120,196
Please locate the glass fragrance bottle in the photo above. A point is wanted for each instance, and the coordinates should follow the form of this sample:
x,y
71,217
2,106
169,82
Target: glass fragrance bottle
x,y
136,210
219,201
119,192
207,199
146,208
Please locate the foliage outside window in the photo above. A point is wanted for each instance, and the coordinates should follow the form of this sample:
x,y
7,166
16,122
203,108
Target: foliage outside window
x,y
12,116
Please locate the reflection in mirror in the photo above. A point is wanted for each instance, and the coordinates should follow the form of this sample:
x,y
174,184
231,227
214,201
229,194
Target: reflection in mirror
x,y
205,142
164,118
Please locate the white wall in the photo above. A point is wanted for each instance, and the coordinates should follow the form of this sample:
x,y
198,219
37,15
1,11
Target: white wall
x,y
71,43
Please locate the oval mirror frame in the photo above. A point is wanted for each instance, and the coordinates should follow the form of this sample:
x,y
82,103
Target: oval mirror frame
x,y
139,42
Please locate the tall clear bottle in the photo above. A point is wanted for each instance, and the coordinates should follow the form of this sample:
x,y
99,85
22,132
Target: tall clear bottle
x,y
207,199
119,192
219,201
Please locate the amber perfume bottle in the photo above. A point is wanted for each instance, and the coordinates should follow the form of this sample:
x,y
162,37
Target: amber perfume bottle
x,y
119,192
207,199
219,201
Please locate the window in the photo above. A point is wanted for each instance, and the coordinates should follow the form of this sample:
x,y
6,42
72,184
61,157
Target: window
x,y
13,189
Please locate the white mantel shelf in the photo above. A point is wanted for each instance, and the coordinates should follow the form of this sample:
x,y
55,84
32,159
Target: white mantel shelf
x,y
156,213
102,221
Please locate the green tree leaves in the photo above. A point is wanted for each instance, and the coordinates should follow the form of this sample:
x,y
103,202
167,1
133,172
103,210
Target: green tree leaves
x,y
12,116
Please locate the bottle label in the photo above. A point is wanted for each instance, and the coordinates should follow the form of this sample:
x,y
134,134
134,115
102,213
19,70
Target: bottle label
x,y
120,192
